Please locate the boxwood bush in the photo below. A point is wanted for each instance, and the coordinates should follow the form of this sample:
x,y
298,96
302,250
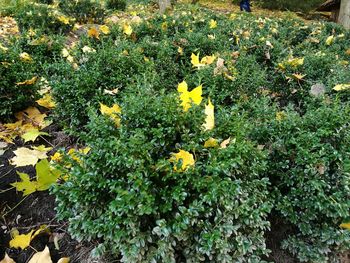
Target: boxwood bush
x,y
289,144
147,209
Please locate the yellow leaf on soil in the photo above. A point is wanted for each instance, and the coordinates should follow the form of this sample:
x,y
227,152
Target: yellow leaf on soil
x,y
25,156
33,115
32,135
28,82
211,142
21,241
210,119
46,101
41,257
186,158
7,259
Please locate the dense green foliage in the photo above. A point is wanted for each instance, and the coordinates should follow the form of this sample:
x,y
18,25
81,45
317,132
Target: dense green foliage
x,y
289,152
303,6
116,4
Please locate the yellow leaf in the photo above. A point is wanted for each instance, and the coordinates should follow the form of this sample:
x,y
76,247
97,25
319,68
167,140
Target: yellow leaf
x,y
42,148
347,52
295,62
57,157
21,241
7,259
195,61
45,177
210,119
25,57
46,101
113,112
93,32
180,51
127,29
87,49
341,87
281,115
25,156
329,40
213,24
186,97
65,53
32,135
28,82
63,19
224,143
105,29
3,48
186,158
41,257
345,225
208,59
63,260
33,115
211,142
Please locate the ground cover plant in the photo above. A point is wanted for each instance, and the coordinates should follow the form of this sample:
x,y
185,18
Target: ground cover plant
x,y
198,136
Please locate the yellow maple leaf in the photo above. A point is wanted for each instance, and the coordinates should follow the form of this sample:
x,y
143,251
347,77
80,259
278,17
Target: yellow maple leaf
x,y
41,256
32,135
127,29
213,24
22,241
94,33
113,112
208,59
186,97
24,56
34,116
195,61
28,82
329,40
295,62
7,259
341,87
105,29
210,119
65,53
46,101
186,159
25,156
298,76
211,142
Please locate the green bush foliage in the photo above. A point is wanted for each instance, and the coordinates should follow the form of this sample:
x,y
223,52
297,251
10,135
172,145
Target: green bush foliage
x,y
274,97
116,4
303,6
84,11
145,210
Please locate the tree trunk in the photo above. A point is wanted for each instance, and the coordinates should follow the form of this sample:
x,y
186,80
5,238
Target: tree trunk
x,y
344,15
163,5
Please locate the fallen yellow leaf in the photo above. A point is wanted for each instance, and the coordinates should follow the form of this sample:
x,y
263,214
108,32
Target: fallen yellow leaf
x,y
345,225
113,112
25,57
63,260
46,101
32,135
329,40
93,32
105,29
127,29
224,143
213,24
25,156
41,257
7,259
341,87
186,97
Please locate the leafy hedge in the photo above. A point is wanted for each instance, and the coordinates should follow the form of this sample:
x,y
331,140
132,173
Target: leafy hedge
x,y
282,127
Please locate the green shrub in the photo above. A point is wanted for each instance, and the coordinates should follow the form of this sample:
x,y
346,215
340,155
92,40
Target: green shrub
x,y
84,11
144,210
18,87
309,179
304,6
116,4
32,16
